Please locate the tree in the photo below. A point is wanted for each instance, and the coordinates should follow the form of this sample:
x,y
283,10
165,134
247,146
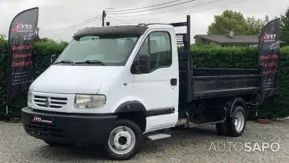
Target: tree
x,y
45,39
284,33
255,26
267,20
2,36
235,21
3,47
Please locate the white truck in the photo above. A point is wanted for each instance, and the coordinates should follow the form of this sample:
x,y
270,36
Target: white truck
x,y
120,85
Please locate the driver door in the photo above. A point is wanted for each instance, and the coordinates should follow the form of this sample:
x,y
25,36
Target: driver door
x,y
158,89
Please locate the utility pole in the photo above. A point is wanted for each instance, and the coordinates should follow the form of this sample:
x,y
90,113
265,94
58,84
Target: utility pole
x,y
103,17
104,14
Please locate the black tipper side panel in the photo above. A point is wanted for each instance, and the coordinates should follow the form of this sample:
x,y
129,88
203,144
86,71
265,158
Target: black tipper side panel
x,y
130,30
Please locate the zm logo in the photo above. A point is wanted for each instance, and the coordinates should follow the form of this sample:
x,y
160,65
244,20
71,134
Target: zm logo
x,y
21,27
36,119
268,37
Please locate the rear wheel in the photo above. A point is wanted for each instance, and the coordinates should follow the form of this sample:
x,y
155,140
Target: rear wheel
x,y
237,123
124,140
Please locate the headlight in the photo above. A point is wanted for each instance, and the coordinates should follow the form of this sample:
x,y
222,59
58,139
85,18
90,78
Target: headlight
x,y
89,101
29,97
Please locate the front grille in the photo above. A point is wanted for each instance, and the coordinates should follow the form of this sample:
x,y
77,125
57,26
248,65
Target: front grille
x,y
52,102
45,130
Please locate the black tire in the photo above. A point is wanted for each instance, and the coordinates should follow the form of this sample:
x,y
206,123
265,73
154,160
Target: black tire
x,y
139,138
221,128
52,144
230,122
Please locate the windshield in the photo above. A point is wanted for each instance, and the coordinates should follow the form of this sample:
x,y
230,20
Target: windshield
x,y
107,50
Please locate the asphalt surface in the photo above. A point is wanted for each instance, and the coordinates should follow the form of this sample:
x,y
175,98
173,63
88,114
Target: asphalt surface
x,y
260,143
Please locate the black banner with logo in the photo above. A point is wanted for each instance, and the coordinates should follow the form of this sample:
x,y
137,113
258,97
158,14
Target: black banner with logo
x,y
269,58
22,33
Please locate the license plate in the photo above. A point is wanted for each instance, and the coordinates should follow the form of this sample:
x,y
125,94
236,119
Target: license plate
x,y
42,119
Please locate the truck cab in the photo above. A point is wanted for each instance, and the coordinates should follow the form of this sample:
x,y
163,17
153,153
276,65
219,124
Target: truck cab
x,y
106,74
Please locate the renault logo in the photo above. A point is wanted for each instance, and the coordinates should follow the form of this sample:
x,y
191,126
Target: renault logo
x,y
47,102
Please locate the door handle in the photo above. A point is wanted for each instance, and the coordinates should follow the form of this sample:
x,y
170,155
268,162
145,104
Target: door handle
x,y
174,81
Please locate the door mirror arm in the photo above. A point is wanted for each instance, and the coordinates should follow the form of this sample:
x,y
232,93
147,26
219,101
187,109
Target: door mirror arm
x,y
53,57
135,67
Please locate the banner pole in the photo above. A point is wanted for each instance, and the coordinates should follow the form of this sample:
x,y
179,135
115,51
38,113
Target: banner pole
x,y
7,110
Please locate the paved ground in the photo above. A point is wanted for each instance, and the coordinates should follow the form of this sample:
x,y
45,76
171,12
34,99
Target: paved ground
x,y
193,145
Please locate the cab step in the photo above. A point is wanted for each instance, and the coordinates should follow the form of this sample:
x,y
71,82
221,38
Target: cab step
x,y
158,136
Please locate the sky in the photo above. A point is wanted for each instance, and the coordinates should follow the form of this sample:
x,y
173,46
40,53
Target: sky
x,y
60,19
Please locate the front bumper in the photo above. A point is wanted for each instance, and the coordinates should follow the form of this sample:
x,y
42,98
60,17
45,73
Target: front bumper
x,y
67,128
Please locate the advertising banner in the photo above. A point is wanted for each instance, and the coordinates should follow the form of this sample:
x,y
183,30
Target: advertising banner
x,y
22,33
269,58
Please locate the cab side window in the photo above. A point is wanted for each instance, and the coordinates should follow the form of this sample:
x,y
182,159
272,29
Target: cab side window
x,y
158,46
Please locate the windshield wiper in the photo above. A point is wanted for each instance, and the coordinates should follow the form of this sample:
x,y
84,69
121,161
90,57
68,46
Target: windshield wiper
x,y
65,61
91,62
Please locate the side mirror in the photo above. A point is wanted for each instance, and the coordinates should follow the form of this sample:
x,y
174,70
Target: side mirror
x,y
141,64
53,58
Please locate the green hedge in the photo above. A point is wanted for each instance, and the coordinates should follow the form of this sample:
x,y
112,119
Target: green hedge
x,y
211,57
3,71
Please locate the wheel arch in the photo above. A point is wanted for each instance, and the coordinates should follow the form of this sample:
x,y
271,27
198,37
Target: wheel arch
x,y
238,101
130,106
133,110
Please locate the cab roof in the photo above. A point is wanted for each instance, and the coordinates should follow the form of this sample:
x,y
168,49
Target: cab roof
x,y
127,30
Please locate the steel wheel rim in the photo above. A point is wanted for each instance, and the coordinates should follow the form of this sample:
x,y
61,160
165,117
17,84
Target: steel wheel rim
x,y
121,140
239,121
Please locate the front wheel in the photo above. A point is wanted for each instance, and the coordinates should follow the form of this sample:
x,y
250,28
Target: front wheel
x,y
124,140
